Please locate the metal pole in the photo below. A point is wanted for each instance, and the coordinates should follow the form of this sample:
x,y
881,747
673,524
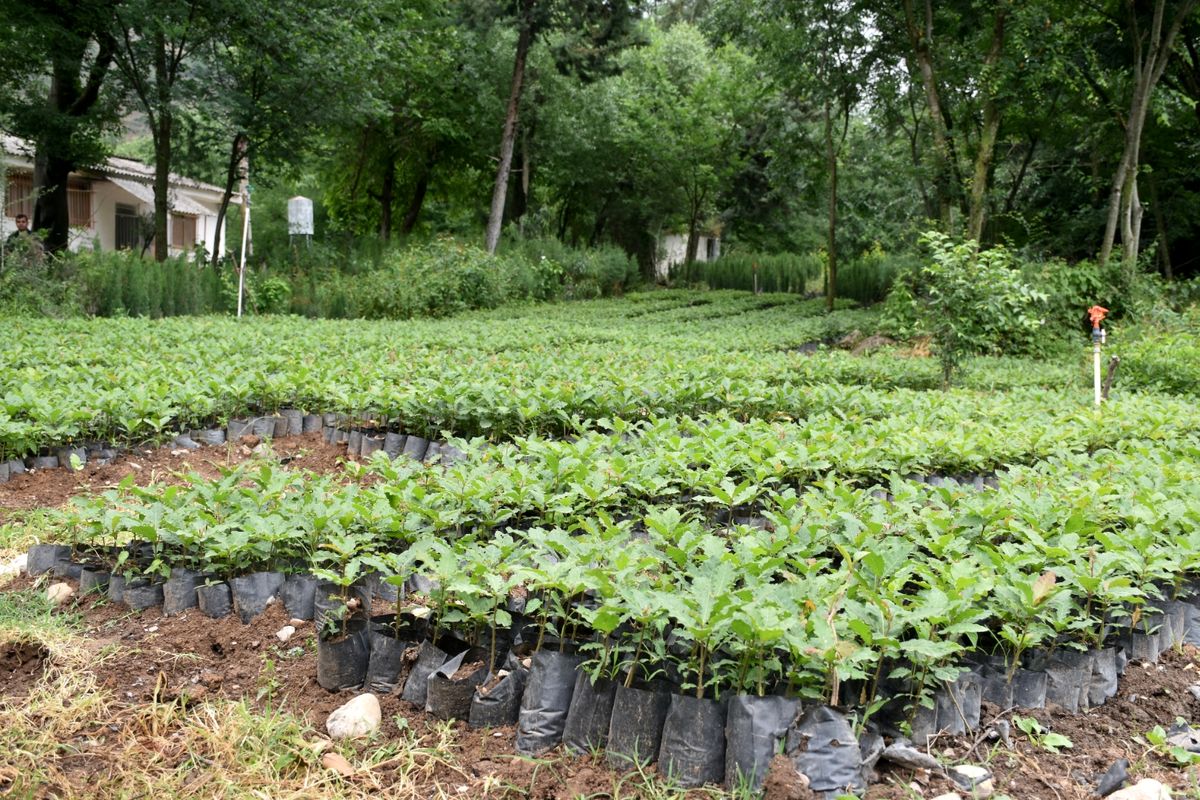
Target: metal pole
x,y
245,237
1097,314
3,205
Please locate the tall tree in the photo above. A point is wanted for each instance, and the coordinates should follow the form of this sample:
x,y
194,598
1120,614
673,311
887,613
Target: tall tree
x,y
1151,42
589,31
276,73
65,112
155,43
816,53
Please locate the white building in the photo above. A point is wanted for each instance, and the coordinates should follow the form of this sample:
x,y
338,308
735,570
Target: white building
x,y
672,252
110,201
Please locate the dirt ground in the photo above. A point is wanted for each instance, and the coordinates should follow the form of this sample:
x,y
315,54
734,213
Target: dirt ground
x,y
146,657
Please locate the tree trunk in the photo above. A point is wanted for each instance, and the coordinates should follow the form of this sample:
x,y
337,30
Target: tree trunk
x,y
921,39
1114,207
236,153
53,162
1160,224
386,196
1013,190
500,189
1148,68
693,243
52,211
987,137
162,148
831,242
564,215
1131,216
413,212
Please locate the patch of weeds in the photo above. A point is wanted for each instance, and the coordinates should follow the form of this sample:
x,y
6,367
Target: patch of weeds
x,y
21,528
28,611
1046,740
1157,741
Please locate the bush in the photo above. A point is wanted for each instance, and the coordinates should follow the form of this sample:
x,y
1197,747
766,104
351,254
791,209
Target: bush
x,y
547,269
433,279
34,284
436,279
598,272
780,272
970,302
869,278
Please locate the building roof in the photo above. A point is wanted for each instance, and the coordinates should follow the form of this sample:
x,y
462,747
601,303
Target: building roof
x,y
131,170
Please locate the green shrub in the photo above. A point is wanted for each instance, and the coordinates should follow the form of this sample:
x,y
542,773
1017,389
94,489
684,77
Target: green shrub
x,y
868,278
779,272
970,302
125,284
598,272
33,283
1162,354
546,269
435,279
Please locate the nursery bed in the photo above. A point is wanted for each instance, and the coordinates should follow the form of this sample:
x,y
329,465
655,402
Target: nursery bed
x,y
52,488
195,660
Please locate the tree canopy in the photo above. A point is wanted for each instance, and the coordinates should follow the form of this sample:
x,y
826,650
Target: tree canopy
x,y
836,127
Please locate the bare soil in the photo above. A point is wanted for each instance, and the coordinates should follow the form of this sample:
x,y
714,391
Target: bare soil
x,y
22,664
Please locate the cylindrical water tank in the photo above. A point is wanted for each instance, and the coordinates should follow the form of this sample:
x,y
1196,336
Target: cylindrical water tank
x,y
300,216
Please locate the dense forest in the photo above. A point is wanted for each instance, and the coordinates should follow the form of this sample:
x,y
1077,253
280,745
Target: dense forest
x,y
836,127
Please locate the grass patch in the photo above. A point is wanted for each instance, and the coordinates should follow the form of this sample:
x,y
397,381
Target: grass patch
x,y
21,528
27,612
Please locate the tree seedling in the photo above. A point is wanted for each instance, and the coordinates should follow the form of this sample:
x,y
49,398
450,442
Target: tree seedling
x,y
1047,740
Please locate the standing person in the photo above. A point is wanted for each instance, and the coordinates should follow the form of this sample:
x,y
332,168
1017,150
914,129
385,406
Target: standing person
x,y
22,230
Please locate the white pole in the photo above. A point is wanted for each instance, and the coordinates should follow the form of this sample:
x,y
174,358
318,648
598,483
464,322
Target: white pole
x,y
245,237
1096,370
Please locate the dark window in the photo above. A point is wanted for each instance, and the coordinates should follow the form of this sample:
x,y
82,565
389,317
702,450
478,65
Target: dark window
x,y
710,249
128,228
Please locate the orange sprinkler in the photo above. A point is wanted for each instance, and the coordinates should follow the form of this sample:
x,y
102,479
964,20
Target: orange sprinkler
x,y
1097,315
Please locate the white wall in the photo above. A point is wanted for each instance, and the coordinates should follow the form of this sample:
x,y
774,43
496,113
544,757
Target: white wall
x,y
103,224
672,250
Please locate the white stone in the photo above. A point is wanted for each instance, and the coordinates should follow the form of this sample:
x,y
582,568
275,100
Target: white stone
x,y
1145,789
977,780
16,566
359,717
948,796
285,633
59,593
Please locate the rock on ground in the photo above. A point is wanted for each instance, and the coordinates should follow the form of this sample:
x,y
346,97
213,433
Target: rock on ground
x,y
359,717
59,593
337,763
1145,789
16,566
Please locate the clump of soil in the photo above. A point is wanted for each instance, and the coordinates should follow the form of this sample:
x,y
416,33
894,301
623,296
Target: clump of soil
x,y
784,782
466,670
